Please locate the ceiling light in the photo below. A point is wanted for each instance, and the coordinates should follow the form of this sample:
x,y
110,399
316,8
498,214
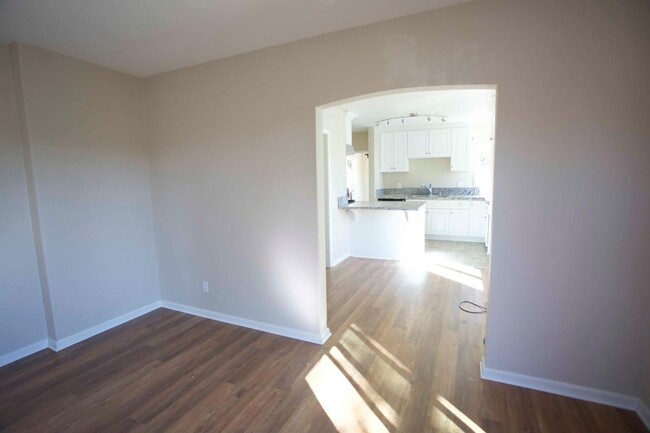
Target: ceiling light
x,y
442,117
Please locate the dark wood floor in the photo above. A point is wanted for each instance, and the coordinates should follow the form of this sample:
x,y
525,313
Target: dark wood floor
x,y
402,358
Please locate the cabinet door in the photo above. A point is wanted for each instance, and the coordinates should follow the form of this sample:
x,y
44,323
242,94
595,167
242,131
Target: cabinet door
x,y
386,143
401,151
437,222
418,144
460,149
478,219
440,143
459,222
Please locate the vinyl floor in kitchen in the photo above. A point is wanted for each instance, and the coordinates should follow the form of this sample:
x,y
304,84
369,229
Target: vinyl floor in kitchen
x,y
402,358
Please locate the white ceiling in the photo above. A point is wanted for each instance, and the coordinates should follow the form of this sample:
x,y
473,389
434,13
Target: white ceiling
x,y
146,37
459,106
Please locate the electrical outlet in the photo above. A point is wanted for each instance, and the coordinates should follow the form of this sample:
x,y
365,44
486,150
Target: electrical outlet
x,y
206,287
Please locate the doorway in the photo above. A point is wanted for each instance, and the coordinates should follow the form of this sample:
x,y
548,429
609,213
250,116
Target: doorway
x,y
344,170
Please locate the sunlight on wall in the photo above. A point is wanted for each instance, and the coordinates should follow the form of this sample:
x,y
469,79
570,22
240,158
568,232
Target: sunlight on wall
x,y
341,402
293,287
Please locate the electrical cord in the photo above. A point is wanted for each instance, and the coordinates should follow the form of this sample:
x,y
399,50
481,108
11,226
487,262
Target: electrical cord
x,y
479,308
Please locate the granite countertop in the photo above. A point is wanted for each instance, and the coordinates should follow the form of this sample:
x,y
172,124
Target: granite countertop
x,y
384,205
435,197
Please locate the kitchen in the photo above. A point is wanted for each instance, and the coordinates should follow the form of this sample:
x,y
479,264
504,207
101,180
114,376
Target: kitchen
x,y
430,160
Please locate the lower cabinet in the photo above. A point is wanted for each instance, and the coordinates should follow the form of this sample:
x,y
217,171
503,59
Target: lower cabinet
x,y
459,218
478,219
437,222
459,222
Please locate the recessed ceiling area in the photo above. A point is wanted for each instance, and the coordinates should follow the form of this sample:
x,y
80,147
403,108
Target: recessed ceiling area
x,y
457,105
144,38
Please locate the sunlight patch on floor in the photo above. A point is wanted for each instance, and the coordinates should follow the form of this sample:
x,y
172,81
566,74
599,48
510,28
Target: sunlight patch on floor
x,y
436,263
459,418
341,402
359,351
384,408
381,349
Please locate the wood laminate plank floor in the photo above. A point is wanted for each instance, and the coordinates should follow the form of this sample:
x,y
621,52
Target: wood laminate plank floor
x,y
403,358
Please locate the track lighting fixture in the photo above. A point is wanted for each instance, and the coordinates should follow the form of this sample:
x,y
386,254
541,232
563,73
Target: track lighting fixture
x,y
442,117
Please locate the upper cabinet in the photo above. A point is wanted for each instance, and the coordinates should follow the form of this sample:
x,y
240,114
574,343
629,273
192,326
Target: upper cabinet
x,y
440,143
397,147
460,150
418,144
394,152
434,143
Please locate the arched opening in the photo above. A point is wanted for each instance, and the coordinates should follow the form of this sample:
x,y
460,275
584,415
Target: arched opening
x,y
416,109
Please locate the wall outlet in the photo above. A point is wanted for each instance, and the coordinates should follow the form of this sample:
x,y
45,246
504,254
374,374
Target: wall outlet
x,y
399,184
206,287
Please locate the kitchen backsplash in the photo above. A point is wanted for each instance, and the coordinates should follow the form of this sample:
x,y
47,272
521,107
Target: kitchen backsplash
x,y
423,191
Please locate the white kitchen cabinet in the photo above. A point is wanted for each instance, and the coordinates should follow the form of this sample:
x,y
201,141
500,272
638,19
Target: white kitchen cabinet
x,y
437,222
435,143
478,219
460,150
394,152
440,143
459,222
463,220
418,142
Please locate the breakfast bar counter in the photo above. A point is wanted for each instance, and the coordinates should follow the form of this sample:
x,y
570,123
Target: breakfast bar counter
x,y
386,230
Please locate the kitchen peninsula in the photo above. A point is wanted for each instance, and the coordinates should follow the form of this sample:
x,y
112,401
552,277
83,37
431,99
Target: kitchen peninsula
x,y
390,230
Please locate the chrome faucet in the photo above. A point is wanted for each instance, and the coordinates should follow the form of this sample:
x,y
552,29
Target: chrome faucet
x,y
429,188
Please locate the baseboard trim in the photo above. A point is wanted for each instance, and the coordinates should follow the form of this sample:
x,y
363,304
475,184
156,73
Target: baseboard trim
x,y
473,239
66,342
644,413
560,388
339,260
252,324
23,352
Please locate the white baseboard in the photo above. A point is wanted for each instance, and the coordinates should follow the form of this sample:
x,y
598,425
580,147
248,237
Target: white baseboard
x,y
644,413
23,352
560,388
252,324
339,260
62,343
472,239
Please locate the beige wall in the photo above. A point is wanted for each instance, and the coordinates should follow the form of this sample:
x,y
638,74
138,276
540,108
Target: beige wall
x,y
435,171
22,318
87,142
360,141
646,383
235,199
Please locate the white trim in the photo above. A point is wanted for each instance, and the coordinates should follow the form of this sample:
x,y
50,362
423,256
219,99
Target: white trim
x,y
339,260
98,329
22,352
473,239
252,324
561,388
325,334
643,412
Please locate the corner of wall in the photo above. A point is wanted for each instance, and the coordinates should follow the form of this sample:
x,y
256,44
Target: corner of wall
x,y
23,122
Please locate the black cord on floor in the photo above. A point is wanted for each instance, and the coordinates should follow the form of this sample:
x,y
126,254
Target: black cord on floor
x,y
479,308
